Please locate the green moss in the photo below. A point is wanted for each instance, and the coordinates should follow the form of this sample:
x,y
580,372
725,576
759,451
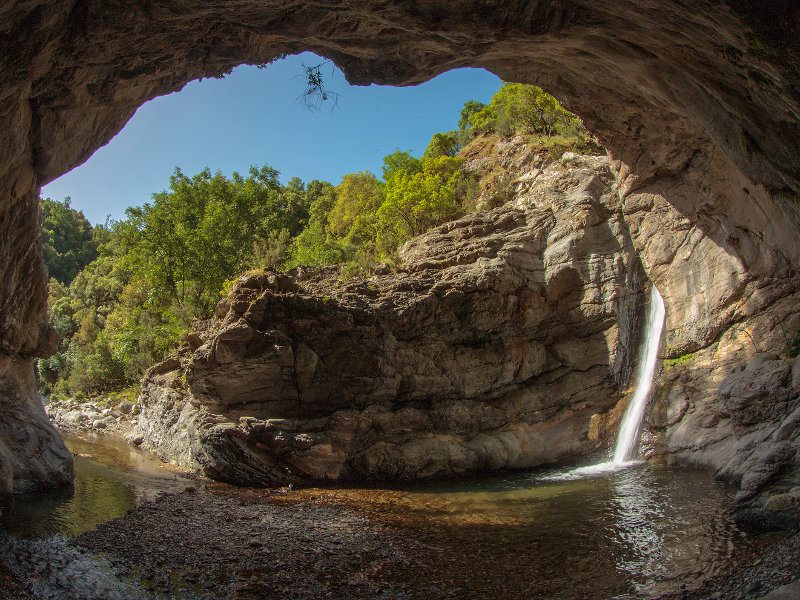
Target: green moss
x,y
679,361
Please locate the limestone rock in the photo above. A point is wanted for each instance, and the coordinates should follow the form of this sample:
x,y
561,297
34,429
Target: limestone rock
x,y
76,416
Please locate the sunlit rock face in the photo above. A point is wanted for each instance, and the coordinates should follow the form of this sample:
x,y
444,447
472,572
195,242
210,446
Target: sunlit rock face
x,y
493,346
698,104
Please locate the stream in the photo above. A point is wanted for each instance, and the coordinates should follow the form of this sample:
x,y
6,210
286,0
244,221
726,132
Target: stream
x,y
111,478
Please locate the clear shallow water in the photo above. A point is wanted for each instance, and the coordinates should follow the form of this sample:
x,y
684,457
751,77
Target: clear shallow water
x,y
111,478
640,531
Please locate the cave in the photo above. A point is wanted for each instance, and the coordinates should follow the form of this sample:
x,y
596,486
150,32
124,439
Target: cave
x,y
698,105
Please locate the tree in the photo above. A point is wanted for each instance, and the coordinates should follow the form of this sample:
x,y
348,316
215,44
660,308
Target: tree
x,y
519,108
400,161
417,200
471,107
193,237
443,144
314,246
67,241
352,217
295,203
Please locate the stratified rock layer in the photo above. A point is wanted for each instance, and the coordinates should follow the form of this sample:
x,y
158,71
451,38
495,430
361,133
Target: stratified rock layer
x,y
493,346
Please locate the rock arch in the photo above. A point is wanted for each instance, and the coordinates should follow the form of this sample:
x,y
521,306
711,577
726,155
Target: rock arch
x,y
698,103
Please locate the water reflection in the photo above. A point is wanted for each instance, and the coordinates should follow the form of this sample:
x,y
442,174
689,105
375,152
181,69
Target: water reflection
x,y
640,527
670,533
111,477
632,533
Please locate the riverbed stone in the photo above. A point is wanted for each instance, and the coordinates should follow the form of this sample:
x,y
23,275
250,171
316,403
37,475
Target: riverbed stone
x,y
790,591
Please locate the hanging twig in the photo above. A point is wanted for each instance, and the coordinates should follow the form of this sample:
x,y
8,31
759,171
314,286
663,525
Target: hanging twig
x,y
316,93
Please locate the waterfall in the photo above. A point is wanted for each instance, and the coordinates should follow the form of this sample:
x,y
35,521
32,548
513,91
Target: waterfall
x,y
628,436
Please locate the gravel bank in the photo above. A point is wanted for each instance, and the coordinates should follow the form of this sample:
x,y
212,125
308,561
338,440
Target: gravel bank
x,y
217,544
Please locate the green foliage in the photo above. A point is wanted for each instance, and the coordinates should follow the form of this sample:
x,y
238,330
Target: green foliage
x,y
191,238
163,266
269,253
470,109
358,196
400,161
417,200
443,144
679,361
522,109
313,246
68,244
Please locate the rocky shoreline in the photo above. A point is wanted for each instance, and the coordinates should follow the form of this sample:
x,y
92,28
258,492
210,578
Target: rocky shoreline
x,y
769,568
96,416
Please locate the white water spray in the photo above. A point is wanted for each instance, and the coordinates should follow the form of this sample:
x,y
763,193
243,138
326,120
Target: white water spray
x,y
628,435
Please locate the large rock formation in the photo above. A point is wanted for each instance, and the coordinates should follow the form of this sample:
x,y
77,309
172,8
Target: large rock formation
x,y
433,370
697,102
32,455
496,343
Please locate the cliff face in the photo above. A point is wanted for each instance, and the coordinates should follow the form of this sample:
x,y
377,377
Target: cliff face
x,y
497,342
32,455
505,340
699,105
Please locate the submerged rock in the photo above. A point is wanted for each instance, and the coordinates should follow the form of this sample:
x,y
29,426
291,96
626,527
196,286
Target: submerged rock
x,y
493,346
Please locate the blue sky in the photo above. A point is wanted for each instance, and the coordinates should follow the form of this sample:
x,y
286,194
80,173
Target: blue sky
x,y
253,116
